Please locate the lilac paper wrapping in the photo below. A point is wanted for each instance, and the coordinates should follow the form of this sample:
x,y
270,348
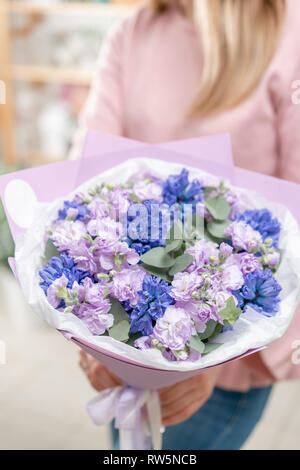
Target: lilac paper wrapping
x,y
56,180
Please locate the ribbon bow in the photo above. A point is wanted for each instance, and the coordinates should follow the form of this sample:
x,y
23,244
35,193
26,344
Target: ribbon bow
x,y
137,415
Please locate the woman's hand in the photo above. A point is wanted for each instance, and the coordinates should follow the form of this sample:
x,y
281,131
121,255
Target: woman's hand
x,y
180,401
99,377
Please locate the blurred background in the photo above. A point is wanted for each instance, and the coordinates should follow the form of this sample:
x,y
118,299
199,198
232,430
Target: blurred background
x,y
47,54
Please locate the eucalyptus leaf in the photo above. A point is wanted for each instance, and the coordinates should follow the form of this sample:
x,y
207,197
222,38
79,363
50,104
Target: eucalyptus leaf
x,y
120,331
217,229
181,263
209,347
174,245
196,344
217,331
210,328
218,207
50,250
175,232
158,258
158,272
118,312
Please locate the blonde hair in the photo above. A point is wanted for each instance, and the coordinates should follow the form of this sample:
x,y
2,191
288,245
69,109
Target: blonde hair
x,y
239,38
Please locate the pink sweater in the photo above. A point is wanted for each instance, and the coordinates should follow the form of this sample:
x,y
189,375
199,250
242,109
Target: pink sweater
x,y
148,73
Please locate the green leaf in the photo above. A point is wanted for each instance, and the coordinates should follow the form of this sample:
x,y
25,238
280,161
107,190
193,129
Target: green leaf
x,y
218,207
230,313
50,250
210,328
118,312
132,338
175,232
196,344
194,227
181,263
159,272
217,331
217,229
120,332
174,245
209,347
158,258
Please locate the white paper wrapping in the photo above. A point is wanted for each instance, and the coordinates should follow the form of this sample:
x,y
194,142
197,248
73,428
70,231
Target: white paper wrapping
x,y
252,330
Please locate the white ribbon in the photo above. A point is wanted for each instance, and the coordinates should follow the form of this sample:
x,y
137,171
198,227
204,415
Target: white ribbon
x,y
137,415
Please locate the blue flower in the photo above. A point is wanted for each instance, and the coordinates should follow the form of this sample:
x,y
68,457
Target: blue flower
x,y
178,189
154,299
262,221
56,267
82,209
142,240
260,291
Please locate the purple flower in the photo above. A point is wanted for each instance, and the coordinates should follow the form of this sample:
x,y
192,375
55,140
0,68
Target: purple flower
x,y
96,321
85,257
119,198
98,208
55,290
184,284
248,262
105,228
225,250
262,221
66,233
178,189
244,237
232,277
116,256
200,313
82,210
154,298
146,191
143,343
273,259
127,283
202,253
261,292
174,329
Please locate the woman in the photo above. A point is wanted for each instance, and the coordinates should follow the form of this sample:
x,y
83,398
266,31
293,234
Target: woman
x,y
181,69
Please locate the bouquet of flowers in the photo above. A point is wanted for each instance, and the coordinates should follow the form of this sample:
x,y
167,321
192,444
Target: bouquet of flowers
x,y
158,269
160,263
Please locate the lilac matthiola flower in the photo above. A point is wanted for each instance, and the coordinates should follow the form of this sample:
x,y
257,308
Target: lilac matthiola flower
x,y
174,329
184,284
225,250
119,198
143,343
96,321
200,313
262,221
244,237
118,256
247,262
232,277
146,192
127,283
66,233
85,257
202,252
273,259
98,208
56,286
105,228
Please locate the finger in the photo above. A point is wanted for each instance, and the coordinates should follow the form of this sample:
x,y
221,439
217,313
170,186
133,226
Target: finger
x,y
184,402
177,391
183,414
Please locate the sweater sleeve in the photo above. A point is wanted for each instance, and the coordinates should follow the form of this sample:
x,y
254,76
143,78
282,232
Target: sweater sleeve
x,y
104,108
